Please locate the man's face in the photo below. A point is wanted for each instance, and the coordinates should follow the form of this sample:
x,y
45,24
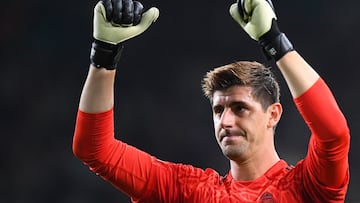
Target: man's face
x,y
242,127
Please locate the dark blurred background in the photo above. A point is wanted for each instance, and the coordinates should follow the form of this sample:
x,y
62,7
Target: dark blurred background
x,y
160,108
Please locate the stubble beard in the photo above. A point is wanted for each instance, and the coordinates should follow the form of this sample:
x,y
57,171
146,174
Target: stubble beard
x,y
234,152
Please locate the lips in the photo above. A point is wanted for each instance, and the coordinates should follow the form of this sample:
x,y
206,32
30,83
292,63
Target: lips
x,y
230,133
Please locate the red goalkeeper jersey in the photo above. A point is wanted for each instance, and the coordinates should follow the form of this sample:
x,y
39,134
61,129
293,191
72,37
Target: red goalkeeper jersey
x,y
145,178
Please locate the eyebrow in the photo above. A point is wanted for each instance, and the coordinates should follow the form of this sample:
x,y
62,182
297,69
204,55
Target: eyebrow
x,y
232,104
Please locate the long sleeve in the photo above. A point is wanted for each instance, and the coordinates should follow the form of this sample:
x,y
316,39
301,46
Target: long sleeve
x,y
327,160
124,166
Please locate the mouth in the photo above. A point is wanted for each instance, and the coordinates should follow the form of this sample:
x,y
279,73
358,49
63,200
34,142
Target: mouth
x,y
230,134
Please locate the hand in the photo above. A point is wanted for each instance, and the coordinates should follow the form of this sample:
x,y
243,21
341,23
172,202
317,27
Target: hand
x,y
116,21
254,16
259,21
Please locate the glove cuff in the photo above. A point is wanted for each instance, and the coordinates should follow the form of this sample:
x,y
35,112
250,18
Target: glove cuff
x,y
105,55
275,44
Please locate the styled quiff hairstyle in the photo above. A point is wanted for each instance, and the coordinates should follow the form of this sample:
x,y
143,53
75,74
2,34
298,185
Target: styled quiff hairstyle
x,y
265,88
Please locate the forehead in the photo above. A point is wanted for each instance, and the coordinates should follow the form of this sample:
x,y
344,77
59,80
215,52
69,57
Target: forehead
x,y
233,94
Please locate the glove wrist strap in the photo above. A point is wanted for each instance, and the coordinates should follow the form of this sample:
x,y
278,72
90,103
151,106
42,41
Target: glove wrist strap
x,y
105,55
278,47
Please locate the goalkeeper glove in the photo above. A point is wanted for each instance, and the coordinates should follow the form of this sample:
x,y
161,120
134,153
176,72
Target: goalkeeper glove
x,y
258,19
116,21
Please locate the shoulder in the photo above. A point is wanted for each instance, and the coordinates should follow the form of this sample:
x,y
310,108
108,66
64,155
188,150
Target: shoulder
x,y
185,171
289,175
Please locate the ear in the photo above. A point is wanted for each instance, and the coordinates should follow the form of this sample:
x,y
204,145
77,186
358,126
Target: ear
x,y
275,111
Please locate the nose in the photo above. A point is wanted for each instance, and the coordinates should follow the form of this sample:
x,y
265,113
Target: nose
x,y
227,119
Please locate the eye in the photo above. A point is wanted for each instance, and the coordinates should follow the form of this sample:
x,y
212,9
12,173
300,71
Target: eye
x,y
238,109
218,110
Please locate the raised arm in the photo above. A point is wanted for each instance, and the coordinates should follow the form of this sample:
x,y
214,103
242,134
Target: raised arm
x,y
327,161
94,143
112,26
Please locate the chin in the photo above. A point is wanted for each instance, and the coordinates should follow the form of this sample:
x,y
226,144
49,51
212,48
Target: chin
x,y
233,154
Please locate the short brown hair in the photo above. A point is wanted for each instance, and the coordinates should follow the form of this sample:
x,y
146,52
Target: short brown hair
x,y
252,74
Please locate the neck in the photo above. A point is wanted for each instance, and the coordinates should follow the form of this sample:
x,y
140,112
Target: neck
x,y
254,167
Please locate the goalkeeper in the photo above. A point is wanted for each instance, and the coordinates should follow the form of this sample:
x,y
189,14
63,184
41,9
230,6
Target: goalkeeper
x,y
246,109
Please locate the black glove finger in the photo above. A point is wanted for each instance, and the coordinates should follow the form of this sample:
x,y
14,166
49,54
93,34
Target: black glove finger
x,y
271,4
108,8
138,10
241,8
128,12
117,11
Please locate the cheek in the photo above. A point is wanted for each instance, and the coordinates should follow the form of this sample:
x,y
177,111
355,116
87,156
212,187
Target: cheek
x,y
216,122
216,125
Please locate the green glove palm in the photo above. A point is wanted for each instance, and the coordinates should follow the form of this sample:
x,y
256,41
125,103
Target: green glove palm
x,y
257,17
114,34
